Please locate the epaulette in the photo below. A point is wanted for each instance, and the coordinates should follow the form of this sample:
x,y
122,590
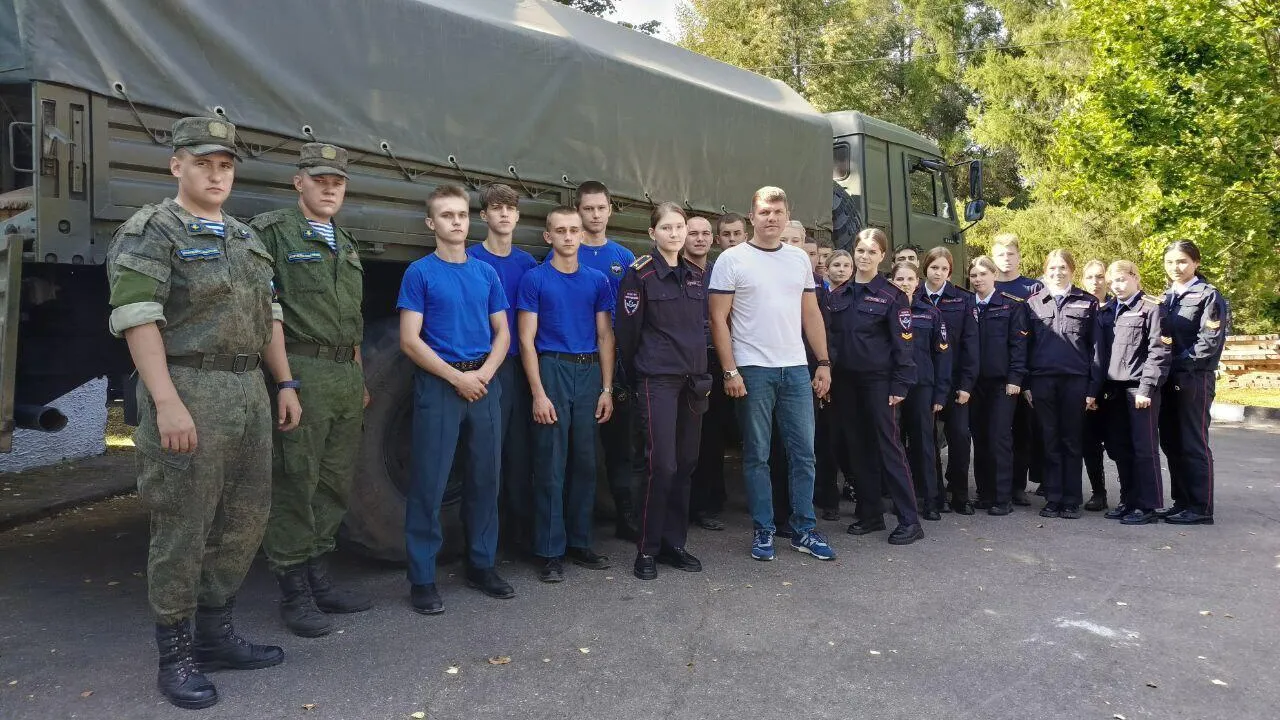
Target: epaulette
x,y
267,219
641,262
1011,296
138,221
1151,299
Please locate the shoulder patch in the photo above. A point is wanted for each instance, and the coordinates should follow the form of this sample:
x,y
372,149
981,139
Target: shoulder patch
x,y
1151,299
641,262
138,221
1011,296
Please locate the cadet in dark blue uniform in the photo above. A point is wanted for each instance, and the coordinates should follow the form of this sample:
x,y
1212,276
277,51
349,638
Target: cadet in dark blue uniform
x,y
869,324
1064,365
925,399
1002,363
661,327
1199,321
1093,280
958,313
707,489
1136,354
1027,461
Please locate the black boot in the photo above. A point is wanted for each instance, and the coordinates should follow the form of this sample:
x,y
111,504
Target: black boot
x,y
219,647
297,606
328,598
179,680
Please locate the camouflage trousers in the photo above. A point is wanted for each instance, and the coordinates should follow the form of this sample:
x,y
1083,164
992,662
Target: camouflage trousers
x,y
208,508
313,464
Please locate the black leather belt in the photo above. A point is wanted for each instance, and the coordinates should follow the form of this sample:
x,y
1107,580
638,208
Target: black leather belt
x,y
345,353
575,358
468,365
238,364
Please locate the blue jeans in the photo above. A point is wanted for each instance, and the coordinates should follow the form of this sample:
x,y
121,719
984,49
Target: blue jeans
x,y
787,393
564,458
440,420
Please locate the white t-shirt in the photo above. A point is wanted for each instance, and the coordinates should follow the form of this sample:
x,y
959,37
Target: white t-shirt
x,y
768,288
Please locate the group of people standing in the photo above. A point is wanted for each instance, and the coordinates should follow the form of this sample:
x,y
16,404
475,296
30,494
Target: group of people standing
x,y
523,367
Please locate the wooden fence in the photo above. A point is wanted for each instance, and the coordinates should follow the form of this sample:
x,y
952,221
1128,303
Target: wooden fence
x,y
1251,361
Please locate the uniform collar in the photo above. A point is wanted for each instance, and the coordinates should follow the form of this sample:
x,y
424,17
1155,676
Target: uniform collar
x,y
198,226
660,264
874,285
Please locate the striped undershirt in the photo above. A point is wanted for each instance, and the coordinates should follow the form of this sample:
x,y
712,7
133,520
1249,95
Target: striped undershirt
x,y
326,232
218,228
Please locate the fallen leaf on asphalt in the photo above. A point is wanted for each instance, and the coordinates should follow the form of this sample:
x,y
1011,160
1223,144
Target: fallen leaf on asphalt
x,y
452,670
1206,612
309,706
418,715
86,693
608,577
1229,616
1118,716
832,643
1071,577
113,583
1200,657
1121,604
986,549
1216,681
785,583
874,652
748,584
499,660
13,682
137,574
1166,547
1151,684
546,659
584,651
1039,525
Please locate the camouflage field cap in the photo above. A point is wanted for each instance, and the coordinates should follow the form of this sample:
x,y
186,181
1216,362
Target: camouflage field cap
x,y
204,135
323,159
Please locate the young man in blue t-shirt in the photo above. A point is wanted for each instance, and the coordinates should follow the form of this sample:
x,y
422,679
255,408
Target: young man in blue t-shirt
x,y
567,347
453,326
499,208
617,436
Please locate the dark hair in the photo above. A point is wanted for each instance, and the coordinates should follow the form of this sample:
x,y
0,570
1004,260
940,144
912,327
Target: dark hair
x,y
447,191
826,243
662,209
913,248
562,210
592,187
499,194
934,254
1183,246
729,219
875,235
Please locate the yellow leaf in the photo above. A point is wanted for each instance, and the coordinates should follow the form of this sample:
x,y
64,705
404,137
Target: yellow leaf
x,y
785,583
309,706
418,715
452,670
499,660
86,693
584,651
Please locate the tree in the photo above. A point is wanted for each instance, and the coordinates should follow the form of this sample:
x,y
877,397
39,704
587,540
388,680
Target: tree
x,y
601,8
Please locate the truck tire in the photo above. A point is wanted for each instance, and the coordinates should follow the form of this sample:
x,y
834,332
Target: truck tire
x,y
374,525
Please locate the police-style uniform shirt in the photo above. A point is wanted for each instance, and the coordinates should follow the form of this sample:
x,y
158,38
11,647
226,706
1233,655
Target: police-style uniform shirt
x,y
1065,334
1199,320
870,331
931,349
1022,286
320,285
1137,348
957,307
1002,337
661,318
206,285
706,275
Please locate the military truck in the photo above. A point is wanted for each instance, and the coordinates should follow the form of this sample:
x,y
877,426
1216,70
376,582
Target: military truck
x,y
421,92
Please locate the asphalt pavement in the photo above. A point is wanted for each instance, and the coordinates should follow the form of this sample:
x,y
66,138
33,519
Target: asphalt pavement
x,y
987,618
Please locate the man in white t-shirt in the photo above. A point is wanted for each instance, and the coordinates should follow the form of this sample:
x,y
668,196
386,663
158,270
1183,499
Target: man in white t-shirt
x,y
762,307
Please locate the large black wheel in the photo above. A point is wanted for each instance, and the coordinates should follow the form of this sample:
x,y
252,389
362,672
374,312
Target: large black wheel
x,y
375,521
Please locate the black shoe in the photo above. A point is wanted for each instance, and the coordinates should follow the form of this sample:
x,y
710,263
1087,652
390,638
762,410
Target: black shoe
x,y
863,527
1051,510
587,558
645,568
1020,498
784,531
1097,502
489,582
944,507
679,559
553,571
1070,512
218,647
179,680
1189,517
906,534
1000,509
328,598
1174,510
962,507
983,505
1119,511
931,515
297,605
830,514
707,521
426,599
1138,516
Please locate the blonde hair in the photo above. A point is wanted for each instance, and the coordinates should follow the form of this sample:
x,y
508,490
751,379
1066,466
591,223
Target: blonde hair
x,y
875,234
795,224
905,265
770,194
1123,266
934,254
985,263
839,254
1093,262
1062,254
1005,240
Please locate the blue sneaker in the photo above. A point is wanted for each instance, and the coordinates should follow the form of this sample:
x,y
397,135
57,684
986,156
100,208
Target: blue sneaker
x,y
813,543
762,546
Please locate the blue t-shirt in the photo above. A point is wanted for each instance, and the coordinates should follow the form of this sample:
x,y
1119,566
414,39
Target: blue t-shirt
x,y
510,269
611,258
1021,286
456,300
566,305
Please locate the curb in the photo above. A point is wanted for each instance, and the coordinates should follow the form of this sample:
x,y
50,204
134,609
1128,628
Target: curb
x,y
1247,414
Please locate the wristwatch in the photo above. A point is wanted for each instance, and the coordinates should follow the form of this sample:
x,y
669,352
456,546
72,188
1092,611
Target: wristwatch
x,y
288,385
824,363
731,374
606,390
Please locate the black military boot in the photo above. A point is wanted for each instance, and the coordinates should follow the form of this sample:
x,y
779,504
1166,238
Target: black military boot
x,y
218,647
297,606
328,598
179,679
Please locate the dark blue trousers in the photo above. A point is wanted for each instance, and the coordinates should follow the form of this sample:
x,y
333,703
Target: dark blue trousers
x,y
1184,437
517,449
443,424
1133,442
874,446
955,426
1059,410
671,417
917,430
564,458
992,424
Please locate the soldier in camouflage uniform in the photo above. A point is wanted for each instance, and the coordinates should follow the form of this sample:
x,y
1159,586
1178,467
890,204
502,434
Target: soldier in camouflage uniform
x,y
191,294
320,285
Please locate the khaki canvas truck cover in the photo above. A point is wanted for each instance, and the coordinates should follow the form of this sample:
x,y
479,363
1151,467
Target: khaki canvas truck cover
x,y
495,83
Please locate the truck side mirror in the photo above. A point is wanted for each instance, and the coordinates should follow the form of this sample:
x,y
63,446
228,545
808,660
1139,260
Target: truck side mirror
x,y
975,180
974,210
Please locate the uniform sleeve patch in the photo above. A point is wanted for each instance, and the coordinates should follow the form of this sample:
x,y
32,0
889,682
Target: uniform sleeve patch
x,y
631,301
1166,340
906,336
904,319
